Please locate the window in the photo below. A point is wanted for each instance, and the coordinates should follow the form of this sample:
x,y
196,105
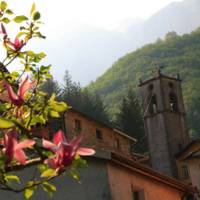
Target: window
x,y
118,144
173,102
150,87
77,125
99,134
153,104
171,85
185,172
138,195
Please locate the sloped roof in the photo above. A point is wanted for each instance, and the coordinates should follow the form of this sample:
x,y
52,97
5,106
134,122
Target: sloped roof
x,y
191,150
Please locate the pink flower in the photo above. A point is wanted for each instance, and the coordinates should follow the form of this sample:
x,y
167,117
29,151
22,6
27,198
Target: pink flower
x,y
3,31
18,99
16,45
64,151
14,149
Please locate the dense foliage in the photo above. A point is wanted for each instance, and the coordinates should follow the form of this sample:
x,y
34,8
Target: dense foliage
x,y
78,98
178,54
129,119
25,111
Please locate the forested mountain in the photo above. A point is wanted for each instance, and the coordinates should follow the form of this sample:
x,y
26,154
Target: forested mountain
x,y
182,17
90,51
178,54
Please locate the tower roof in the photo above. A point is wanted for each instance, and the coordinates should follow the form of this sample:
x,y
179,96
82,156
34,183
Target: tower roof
x,y
159,76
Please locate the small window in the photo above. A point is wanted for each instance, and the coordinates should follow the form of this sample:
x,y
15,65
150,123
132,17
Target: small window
x,y
171,85
185,172
99,134
77,125
118,144
138,195
153,104
173,102
150,87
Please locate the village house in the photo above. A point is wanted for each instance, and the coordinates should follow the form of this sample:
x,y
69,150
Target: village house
x,y
115,172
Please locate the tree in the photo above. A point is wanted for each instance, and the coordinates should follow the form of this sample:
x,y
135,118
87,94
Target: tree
x,y
130,121
171,35
51,87
84,101
24,106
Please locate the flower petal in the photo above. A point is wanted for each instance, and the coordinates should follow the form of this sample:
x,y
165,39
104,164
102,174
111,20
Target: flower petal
x,y
24,144
3,29
49,145
51,162
20,156
9,147
24,86
12,96
59,137
76,142
85,151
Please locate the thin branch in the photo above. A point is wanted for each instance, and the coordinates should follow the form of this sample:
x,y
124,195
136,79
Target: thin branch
x,y
19,167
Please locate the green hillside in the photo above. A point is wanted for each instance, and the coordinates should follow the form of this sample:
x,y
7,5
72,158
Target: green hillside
x,y
178,54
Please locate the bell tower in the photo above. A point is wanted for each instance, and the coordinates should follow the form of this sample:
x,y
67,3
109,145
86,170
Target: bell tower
x,y
165,121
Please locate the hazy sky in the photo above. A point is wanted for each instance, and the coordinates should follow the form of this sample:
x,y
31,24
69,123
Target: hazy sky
x,y
99,13
67,20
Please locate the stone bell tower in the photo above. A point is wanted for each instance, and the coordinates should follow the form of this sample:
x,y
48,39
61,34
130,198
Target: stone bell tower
x,y
165,121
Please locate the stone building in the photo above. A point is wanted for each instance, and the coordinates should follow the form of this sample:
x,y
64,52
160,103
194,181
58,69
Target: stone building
x,y
171,151
188,162
165,121
98,135
115,172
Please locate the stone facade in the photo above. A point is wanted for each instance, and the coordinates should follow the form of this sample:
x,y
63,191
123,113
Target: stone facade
x,y
111,177
97,135
165,122
188,162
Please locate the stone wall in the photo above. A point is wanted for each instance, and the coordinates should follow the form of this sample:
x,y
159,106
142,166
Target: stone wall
x,y
110,141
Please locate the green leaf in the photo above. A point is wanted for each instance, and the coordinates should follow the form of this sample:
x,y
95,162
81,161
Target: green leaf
x,y
9,12
38,34
20,19
3,5
59,106
42,55
48,173
22,28
36,16
54,114
10,177
49,188
6,20
30,53
32,9
48,76
3,107
20,34
74,174
42,167
3,159
28,193
5,123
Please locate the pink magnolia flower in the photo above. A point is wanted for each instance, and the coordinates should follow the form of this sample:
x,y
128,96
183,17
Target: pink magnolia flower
x,y
16,45
3,31
18,99
64,151
14,149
